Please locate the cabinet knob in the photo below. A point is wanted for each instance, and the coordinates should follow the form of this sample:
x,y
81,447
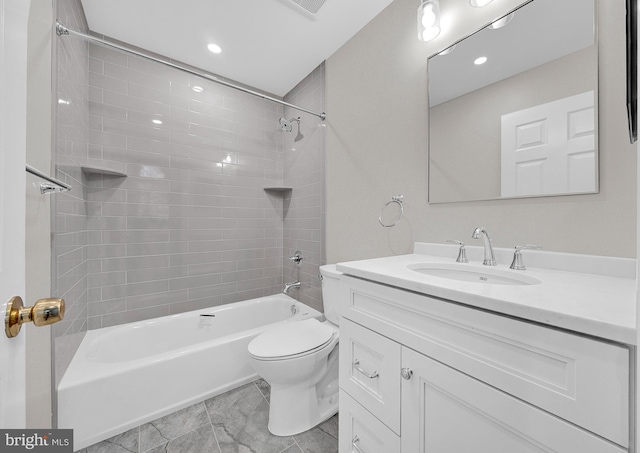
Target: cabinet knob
x,y
406,373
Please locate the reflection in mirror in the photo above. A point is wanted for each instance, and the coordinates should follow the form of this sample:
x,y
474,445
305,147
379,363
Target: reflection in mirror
x,y
523,122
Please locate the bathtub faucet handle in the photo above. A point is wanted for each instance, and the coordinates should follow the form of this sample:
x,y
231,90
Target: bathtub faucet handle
x,y
297,257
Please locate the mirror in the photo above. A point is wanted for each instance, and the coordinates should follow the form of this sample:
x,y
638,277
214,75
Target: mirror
x,y
523,123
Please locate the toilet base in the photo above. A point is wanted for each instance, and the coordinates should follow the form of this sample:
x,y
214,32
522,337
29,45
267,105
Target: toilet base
x,y
294,410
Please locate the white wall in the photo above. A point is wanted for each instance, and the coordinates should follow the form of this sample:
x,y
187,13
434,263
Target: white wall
x,y
377,147
38,227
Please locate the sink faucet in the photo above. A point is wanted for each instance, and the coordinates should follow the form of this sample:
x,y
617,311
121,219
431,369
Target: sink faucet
x,y
288,286
489,257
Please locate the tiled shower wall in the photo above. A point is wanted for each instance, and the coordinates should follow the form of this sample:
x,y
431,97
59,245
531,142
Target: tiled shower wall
x,y
191,225
69,254
188,224
304,173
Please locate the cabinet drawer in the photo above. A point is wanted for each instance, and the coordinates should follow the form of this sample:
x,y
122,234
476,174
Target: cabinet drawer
x,y
361,432
444,410
370,371
580,379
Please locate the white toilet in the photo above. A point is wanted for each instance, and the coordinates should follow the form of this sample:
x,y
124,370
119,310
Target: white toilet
x,y
300,362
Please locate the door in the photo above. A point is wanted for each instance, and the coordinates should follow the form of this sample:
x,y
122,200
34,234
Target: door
x,y
550,148
13,92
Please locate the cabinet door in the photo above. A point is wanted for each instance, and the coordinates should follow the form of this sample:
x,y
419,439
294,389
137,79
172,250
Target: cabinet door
x,y
361,432
446,411
370,371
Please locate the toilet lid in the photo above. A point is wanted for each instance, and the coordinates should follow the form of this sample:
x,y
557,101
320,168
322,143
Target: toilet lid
x,y
291,339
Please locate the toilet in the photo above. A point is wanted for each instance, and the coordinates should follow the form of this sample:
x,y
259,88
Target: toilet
x,y
300,362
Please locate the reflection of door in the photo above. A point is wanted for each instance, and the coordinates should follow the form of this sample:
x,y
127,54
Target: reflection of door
x,y
550,148
13,91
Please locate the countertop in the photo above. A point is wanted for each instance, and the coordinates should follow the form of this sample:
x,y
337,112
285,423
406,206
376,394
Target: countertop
x,y
599,300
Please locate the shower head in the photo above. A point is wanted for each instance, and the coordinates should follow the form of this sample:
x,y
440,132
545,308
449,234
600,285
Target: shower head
x,y
299,136
285,124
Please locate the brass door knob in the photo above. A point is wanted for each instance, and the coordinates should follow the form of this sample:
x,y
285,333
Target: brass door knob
x,y
43,312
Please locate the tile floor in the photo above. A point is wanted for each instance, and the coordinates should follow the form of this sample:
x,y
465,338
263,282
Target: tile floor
x,y
234,422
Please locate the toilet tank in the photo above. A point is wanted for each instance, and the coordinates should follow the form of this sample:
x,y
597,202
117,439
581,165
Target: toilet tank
x,y
331,292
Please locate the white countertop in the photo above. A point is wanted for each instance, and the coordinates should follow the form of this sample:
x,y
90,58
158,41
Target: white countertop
x,y
599,299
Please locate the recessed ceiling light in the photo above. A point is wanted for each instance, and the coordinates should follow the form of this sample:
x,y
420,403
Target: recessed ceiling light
x,y
156,122
64,102
448,50
214,48
479,3
197,89
501,22
480,60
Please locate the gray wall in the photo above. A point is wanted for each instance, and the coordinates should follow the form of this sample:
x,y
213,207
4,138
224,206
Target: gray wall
x,y
377,147
304,173
191,225
69,239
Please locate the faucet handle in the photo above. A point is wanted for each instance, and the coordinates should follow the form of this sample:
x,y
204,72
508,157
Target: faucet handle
x,y
518,263
462,253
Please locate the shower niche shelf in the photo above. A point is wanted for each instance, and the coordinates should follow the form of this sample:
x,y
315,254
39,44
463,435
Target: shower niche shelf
x,y
279,189
93,170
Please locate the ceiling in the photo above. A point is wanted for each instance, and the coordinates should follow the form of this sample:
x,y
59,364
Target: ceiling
x,y
270,45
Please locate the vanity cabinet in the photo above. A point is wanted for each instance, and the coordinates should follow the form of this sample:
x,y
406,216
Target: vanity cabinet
x,y
421,374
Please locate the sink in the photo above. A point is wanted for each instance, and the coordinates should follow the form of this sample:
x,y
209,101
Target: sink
x,y
475,274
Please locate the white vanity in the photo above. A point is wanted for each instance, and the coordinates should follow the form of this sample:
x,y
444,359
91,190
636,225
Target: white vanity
x,y
433,361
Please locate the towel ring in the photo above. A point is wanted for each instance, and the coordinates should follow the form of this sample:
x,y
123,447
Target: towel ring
x,y
395,199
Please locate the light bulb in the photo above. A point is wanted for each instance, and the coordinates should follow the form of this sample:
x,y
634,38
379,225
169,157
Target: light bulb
x,y
428,17
430,33
479,3
428,20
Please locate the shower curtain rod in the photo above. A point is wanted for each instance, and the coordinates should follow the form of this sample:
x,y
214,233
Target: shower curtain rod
x,y
63,30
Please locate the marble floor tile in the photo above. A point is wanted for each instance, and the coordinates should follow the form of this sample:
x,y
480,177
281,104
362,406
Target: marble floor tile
x,y
167,428
200,440
321,439
293,449
240,418
264,388
234,422
127,442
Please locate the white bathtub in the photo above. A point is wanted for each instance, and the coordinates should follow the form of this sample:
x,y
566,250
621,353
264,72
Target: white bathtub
x,y
124,376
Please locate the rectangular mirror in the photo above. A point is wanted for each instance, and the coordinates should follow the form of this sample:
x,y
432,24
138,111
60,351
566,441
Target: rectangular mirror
x,y
524,122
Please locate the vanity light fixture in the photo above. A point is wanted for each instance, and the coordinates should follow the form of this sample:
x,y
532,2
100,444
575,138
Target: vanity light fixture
x,y
428,20
501,22
479,3
214,48
480,60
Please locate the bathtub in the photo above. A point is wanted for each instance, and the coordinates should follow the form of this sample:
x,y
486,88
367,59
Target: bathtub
x,y
124,376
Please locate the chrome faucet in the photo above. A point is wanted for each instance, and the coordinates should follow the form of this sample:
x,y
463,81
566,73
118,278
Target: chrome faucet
x,y
489,257
288,286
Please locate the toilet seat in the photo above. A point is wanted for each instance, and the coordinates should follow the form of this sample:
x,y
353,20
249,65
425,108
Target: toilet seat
x,y
291,340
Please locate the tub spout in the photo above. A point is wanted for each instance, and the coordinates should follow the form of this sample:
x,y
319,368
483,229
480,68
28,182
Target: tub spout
x,y
288,286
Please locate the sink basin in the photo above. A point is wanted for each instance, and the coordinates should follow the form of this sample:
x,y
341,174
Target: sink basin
x,y
475,274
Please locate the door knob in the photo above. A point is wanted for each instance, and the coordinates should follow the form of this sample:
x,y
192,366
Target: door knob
x,y
43,312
